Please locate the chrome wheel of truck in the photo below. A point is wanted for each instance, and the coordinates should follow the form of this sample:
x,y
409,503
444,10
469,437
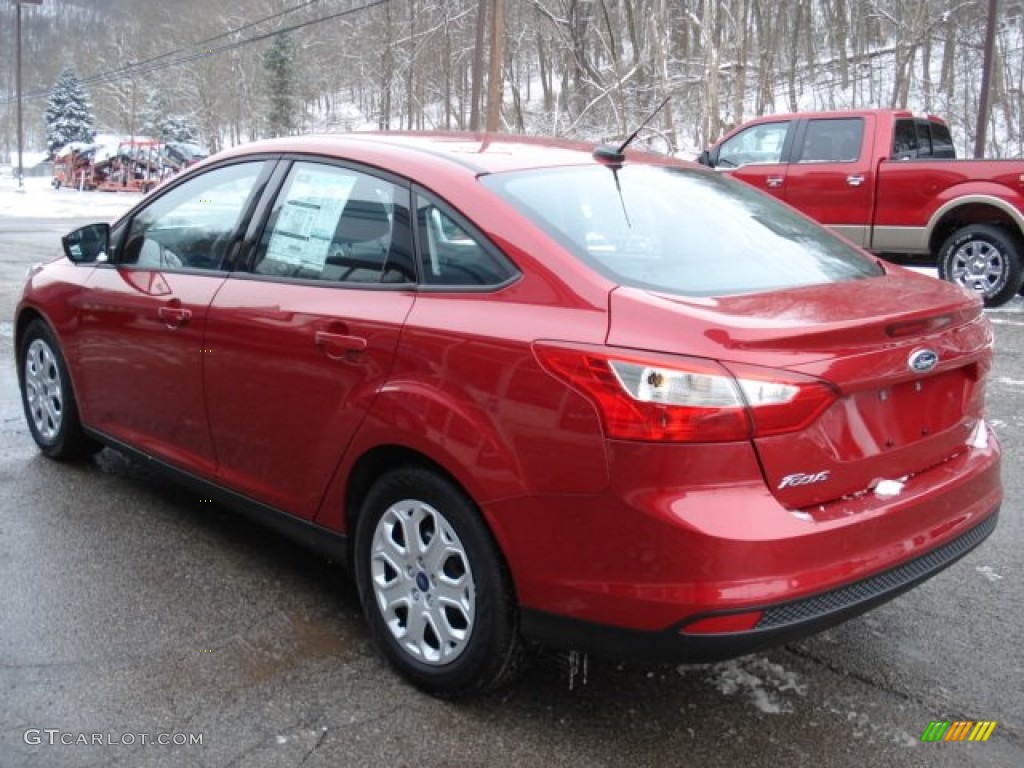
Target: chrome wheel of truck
x,y
985,259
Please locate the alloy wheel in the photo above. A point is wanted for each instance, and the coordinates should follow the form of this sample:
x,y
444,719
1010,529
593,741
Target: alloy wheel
x,y
44,395
422,582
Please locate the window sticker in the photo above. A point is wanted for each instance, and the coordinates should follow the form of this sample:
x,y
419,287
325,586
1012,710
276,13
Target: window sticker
x,y
308,219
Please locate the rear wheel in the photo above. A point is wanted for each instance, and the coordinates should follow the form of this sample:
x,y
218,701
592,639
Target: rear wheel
x,y
433,586
984,259
46,394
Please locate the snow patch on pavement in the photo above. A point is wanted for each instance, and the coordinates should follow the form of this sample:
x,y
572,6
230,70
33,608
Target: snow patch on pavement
x,y
38,200
860,726
763,683
988,572
1007,381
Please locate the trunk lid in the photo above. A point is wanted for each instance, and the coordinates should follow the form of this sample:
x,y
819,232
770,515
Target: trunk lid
x,y
906,354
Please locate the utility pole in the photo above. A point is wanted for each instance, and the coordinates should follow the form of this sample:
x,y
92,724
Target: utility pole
x,y
494,79
17,34
985,97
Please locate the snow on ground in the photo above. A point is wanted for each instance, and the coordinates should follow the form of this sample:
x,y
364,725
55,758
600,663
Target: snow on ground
x,y
765,684
39,200
988,572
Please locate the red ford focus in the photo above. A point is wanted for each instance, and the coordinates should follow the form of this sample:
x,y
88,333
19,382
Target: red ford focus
x,y
528,391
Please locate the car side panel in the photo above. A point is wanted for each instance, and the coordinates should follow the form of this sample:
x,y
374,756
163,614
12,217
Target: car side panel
x,y
283,401
138,349
467,392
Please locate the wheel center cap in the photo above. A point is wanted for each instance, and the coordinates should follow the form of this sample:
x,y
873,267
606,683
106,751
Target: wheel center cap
x,y
422,582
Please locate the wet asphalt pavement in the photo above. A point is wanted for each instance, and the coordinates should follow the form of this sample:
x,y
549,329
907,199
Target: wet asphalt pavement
x,y
133,613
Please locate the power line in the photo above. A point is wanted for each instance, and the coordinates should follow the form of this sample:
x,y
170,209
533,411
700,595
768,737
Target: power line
x,y
155,64
131,68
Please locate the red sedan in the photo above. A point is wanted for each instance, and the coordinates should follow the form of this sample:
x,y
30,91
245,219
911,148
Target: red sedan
x,y
529,391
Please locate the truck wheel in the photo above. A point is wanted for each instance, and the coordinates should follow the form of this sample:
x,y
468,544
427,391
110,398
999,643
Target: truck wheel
x,y
985,259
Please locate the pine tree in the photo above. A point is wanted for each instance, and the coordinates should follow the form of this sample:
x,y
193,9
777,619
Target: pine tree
x,y
179,128
69,114
279,65
154,112
159,122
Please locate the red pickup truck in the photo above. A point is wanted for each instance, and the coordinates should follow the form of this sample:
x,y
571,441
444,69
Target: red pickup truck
x,y
889,181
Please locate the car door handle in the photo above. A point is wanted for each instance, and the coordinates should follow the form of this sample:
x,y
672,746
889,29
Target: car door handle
x,y
174,317
773,182
337,346
855,181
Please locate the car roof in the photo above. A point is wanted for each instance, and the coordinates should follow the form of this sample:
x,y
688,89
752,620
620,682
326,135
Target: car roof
x,y
474,153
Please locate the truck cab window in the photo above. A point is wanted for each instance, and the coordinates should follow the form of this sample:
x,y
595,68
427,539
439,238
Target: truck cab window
x,y
904,140
924,139
832,140
942,142
758,145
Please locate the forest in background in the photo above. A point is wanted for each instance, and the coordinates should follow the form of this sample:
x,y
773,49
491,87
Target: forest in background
x,y
591,69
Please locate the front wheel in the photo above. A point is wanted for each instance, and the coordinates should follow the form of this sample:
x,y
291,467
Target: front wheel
x,y
984,259
47,397
433,585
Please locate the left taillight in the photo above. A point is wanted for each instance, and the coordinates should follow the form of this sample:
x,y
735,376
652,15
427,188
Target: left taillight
x,y
668,398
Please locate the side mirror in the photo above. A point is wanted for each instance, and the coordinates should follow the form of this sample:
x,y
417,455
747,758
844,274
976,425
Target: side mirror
x,y
87,244
704,158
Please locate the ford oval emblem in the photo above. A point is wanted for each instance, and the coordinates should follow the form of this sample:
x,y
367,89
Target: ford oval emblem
x,y
923,360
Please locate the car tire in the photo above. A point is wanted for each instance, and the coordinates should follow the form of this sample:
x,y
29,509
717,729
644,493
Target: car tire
x,y
984,259
434,588
48,398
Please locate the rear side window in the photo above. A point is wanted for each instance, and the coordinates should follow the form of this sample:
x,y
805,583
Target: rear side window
x,y
338,225
452,253
904,140
924,139
942,142
832,141
681,231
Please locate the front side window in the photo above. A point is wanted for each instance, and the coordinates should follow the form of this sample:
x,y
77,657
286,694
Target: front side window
x,y
191,226
680,231
757,145
337,225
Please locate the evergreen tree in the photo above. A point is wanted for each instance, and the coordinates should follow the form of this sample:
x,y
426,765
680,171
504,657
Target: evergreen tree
x,y
279,65
159,122
69,114
179,128
154,112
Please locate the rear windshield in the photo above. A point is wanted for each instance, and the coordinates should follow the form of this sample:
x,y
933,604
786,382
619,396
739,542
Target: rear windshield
x,y
681,231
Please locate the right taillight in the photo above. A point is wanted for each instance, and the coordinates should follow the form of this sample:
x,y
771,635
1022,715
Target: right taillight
x,y
643,396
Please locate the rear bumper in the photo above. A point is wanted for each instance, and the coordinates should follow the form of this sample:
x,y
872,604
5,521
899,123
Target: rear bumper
x,y
780,623
637,565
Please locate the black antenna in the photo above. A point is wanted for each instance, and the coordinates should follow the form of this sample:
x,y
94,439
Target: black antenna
x,y
610,154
